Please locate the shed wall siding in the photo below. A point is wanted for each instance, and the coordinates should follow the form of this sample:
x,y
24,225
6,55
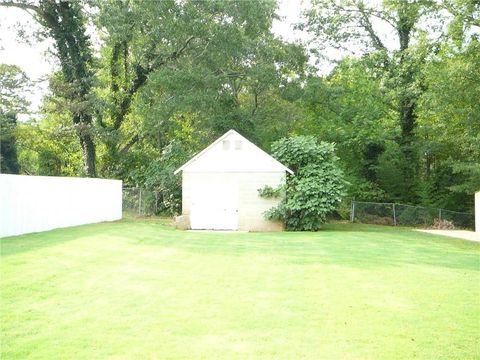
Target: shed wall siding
x,y
250,205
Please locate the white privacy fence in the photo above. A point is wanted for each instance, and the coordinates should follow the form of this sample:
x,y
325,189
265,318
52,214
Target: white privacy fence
x,y
38,203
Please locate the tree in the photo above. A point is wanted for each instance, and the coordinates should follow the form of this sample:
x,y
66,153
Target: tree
x,y
449,126
140,38
355,24
215,62
8,147
64,22
466,17
49,145
208,65
348,107
13,83
211,60
314,190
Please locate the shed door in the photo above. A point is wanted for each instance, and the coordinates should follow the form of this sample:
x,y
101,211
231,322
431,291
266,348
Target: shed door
x,y
214,204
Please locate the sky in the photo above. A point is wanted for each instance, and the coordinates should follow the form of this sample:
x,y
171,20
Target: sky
x,y
35,59
32,58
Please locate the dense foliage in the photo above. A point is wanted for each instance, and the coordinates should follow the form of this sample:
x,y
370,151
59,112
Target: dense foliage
x,y
315,188
166,78
12,102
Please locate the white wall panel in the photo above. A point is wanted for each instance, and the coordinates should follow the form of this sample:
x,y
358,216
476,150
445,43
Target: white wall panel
x,y
39,203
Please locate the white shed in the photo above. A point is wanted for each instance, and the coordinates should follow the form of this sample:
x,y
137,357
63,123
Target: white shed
x,y
220,186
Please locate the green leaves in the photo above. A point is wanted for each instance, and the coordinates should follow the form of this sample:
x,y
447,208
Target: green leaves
x,y
315,189
298,152
269,192
13,85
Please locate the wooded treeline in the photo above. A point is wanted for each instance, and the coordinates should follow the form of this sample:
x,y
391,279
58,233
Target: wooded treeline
x,y
168,77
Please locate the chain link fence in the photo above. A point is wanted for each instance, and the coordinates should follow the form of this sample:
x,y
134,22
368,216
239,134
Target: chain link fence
x,y
140,202
408,215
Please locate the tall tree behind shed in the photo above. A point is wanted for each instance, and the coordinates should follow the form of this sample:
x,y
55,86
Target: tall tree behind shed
x,y
399,56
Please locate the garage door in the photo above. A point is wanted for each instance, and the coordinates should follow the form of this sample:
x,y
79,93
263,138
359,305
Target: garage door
x,y
214,206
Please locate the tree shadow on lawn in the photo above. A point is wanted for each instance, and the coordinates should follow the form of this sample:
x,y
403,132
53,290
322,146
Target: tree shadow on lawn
x,y
34,241
338,244
350,245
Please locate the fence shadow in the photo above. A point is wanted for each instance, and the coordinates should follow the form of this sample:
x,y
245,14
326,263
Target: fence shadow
x,y
34,241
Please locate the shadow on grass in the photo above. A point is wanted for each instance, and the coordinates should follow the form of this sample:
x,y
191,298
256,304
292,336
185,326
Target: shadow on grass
x,y
352,245
360,246
33,241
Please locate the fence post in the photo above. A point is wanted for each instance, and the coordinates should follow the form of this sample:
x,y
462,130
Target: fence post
x,y
440,214
394,216
352,213
140,203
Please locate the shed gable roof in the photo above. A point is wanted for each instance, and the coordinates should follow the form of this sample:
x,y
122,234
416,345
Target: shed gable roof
x,y
218,158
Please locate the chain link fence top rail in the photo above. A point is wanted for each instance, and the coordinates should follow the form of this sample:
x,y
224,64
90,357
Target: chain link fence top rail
x,y
407,215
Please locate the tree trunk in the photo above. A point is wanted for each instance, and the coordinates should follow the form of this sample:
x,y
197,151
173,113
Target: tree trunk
x,y
407,100
407,146
66,25
88,148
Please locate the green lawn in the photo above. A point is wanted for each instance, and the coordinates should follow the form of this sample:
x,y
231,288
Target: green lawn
x,y
141,290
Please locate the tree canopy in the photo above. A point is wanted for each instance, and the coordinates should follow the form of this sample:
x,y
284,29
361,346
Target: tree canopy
x,y
142,85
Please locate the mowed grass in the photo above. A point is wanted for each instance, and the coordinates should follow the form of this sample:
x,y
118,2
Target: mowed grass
x,y
142,290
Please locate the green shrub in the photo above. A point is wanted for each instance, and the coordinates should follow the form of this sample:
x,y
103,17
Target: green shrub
x,y
314,190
